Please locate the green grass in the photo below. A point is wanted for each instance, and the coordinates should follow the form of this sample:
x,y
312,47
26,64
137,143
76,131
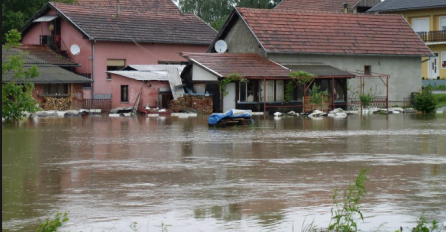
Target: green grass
x,y
441,100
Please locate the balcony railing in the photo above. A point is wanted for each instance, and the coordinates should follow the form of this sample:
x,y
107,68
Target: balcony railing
x,y
432,36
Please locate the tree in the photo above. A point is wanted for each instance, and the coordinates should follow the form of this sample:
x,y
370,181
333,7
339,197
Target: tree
x,y
16,81
16,13
425,101
215,12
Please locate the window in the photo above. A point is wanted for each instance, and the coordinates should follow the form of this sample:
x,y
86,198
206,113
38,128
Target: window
x,y
114,65
247,92
55,89
442,24
276,90
367,70
125,93
420,25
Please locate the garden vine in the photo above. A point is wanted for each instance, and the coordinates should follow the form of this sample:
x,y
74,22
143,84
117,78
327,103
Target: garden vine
x,y
234,77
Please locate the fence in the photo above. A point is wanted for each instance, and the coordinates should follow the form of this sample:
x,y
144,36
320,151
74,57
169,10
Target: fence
x,y
103,104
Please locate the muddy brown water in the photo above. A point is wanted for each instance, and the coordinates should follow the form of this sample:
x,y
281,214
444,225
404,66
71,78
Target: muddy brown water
x,y
136,174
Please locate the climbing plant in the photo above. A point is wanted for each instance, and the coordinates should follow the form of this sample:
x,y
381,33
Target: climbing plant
x,y
233,77
298,78
317,96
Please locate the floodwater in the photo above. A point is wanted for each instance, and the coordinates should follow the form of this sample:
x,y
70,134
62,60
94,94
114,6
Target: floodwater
x,y
149,174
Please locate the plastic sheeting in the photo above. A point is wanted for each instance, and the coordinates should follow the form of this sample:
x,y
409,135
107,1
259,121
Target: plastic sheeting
x,y
216,118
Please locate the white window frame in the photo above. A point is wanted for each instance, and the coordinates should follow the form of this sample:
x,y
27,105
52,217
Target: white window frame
x,y
428,23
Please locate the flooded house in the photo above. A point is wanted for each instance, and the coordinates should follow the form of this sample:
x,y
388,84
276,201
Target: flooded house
x,y
382,52
109,35
55,81
264,81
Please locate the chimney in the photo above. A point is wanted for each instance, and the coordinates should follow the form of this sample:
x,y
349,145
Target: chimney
x,y
345,7
119,9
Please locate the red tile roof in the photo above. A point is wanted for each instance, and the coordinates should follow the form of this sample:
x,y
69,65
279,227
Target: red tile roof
x,y
154,21
320,32
47,54
319,5
248,65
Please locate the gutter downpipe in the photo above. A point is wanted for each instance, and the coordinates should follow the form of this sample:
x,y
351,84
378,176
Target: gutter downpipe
x,y
92,69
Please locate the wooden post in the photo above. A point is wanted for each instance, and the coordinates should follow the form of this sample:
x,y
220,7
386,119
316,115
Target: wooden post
x,y
72,96
264,97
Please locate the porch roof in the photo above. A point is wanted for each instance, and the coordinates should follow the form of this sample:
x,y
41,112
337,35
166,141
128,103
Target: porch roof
x,y
46,53
247,65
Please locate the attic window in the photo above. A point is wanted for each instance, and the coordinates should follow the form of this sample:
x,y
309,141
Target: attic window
x,y
367,70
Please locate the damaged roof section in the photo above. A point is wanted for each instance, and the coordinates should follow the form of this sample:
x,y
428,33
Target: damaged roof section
x,y
170,73
248,65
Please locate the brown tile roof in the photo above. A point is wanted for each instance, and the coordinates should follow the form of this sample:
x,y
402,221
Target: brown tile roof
x,y
152,21
47,54
319,5
320,32
248,65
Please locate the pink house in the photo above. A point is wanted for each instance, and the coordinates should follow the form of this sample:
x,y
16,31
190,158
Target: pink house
x,y
112,34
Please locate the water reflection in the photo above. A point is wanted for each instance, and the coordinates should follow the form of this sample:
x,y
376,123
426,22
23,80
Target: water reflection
x,y
110,172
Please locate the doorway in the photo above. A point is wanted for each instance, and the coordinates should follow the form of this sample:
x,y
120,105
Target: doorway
x,y
434,69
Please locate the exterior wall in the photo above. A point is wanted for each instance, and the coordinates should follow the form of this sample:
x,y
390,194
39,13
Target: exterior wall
x,y
149,94
241,40
200,74
404,71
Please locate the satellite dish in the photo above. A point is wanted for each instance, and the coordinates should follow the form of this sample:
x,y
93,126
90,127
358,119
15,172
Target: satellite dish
x,y
221,46
75,49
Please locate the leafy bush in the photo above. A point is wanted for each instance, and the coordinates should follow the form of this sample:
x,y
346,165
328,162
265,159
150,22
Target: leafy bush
x,y
423,225
365,99
425,101
316,95
52,225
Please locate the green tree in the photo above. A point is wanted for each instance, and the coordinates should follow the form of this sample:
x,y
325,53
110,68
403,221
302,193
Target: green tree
x,y
215,12
16,81
425,101
16,13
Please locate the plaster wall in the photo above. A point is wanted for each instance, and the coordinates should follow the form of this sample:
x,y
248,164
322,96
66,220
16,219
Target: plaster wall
x,y
133,55
200,74
404,71
149,94
427,65
241,40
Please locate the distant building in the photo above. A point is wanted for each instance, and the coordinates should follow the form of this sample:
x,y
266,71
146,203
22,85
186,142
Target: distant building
x,y
113,34
428,19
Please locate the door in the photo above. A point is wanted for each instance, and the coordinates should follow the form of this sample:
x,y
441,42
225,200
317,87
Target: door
x,y
229,101
434,66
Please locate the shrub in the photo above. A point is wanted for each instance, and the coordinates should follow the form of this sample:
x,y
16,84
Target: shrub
x,y
52,225
365,99
425,101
